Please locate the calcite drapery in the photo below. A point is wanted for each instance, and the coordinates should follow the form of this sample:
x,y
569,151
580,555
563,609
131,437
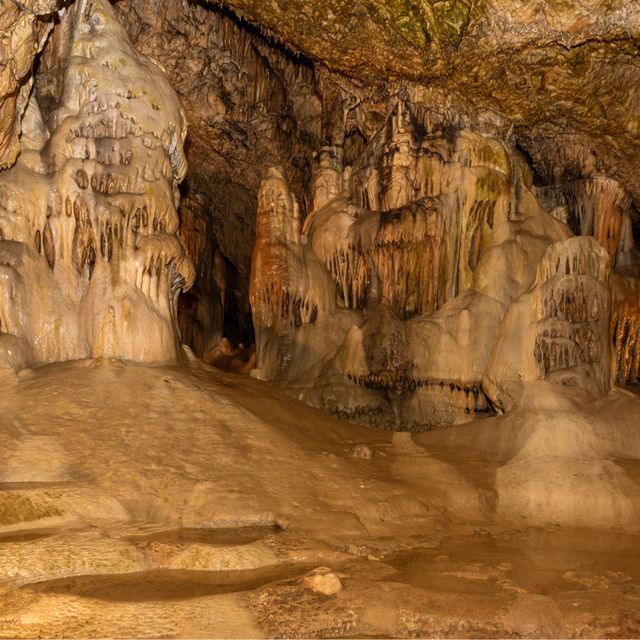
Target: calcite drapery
x,y
432,236
289,290
559,331
91,263
625,329
452,283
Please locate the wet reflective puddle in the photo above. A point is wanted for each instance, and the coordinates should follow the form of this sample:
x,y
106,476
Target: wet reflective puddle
x,y
539,561
167,584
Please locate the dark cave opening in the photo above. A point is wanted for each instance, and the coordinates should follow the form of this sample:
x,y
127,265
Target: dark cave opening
x,y
250,103
219,236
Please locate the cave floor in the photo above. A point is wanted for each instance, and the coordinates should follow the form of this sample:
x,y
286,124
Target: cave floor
x,y
141,501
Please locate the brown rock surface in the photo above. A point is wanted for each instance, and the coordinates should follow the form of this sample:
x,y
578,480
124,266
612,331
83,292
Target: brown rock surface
x,y
249,105
565,73
403,180
140,501
24,27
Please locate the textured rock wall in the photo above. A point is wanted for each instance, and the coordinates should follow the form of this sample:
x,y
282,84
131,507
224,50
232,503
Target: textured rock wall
x,y
402,220
24,28
565,73
559,331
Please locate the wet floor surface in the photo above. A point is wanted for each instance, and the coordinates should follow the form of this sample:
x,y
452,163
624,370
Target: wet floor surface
x,y
24,536
209,536
544,562
537,561
411,533
470,576
167,584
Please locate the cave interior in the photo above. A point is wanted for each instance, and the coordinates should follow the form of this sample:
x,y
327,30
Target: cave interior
x,y
319,319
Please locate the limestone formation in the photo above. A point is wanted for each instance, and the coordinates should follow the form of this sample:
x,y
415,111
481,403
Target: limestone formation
x,y
625,330
91,262
290,291
23,32
559,331
564,73
249,105
430,239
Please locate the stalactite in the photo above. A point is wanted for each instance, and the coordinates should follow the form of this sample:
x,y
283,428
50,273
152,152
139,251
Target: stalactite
x,y
397,168
464,175
573,309
596,206
410,258
283,294
625,331
348,265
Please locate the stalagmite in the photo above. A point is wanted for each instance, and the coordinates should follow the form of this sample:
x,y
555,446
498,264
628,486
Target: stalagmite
x,y
103,264
288,289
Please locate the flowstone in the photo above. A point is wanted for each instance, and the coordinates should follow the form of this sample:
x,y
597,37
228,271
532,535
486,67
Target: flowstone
x,y
90,261
559,331
401,301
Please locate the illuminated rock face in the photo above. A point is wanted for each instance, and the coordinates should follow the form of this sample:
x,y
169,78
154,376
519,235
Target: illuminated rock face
x,y
434,282
625,329
381,293
291,293
559,331
91,263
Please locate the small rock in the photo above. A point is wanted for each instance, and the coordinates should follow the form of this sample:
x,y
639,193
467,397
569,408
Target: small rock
x,y
361,451
323,580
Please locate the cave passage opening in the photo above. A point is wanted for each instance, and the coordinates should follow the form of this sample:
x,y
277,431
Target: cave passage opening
x,y
250,102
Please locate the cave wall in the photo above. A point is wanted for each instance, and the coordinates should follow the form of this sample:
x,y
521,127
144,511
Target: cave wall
x,y
249,104
24,28
433,277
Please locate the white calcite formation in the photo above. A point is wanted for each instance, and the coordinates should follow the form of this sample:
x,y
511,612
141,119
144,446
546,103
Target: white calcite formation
x,y
428,280
90,261
558,331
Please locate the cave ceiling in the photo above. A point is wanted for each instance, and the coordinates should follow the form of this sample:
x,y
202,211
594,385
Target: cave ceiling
x,y
564,72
